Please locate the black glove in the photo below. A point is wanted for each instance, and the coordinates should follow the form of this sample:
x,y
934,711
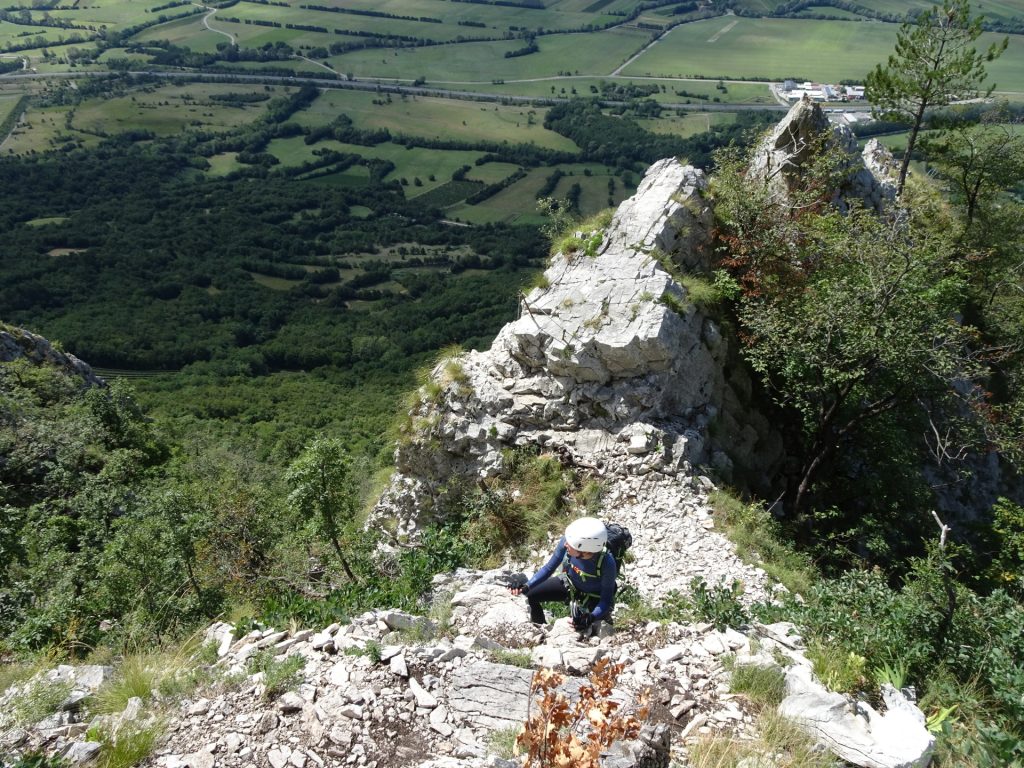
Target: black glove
x,y
583,620
520,582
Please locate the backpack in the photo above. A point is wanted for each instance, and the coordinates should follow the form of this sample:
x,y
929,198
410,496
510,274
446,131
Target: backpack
x,y
619,540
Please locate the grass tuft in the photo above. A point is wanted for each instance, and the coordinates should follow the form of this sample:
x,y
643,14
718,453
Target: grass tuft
x,y
130,746
42,699
512,658
502,742
777,737
278,676
764,686
137,676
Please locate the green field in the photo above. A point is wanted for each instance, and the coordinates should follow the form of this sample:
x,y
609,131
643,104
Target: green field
x,y
188,32
410,164
828,10
572,85
190,107
497,19
824,51
20,34
435,118
595,54
8,101
42,129
689,123
995,10
518,202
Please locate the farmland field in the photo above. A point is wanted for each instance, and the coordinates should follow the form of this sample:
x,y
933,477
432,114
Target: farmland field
x,y
676,91
824,51
518,202
597,54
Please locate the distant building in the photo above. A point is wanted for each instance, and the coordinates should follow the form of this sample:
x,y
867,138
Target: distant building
x,y
854,92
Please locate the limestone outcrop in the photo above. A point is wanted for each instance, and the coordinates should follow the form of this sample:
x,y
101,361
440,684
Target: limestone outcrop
x,y
610,356
869,177
16,343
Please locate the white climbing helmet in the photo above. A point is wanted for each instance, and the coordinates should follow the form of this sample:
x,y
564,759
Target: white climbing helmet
x,y
587,534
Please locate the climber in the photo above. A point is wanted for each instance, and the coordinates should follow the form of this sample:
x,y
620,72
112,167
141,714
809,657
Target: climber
x,y
586,580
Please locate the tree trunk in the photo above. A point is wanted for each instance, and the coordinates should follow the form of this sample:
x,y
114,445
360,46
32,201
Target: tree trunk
x,y
344,562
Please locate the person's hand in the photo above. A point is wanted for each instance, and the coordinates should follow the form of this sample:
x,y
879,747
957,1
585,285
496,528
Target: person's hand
x,y
583,621
520,590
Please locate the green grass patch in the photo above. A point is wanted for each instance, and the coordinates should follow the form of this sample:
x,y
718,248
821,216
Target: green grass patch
x,y
502,741
183,32
354,177
130,746
168,110
278,675
448,194
759,541
274,283
687,124
42,129
223,164
46,221
775,735
512,658
15,672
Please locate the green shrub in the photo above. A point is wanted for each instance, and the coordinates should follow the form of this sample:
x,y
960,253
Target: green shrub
x,y
957,647
719,605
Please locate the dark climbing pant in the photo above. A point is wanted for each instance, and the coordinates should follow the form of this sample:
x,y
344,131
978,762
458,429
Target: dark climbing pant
x,y
553,590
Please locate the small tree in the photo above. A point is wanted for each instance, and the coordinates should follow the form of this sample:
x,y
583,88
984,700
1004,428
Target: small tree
x,y
980,161
935,63
323,490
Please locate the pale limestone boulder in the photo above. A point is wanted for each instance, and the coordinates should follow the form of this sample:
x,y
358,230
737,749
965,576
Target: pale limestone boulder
x,y
855,731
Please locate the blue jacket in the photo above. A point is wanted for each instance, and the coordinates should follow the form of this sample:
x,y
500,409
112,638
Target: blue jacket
x,y
582,574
